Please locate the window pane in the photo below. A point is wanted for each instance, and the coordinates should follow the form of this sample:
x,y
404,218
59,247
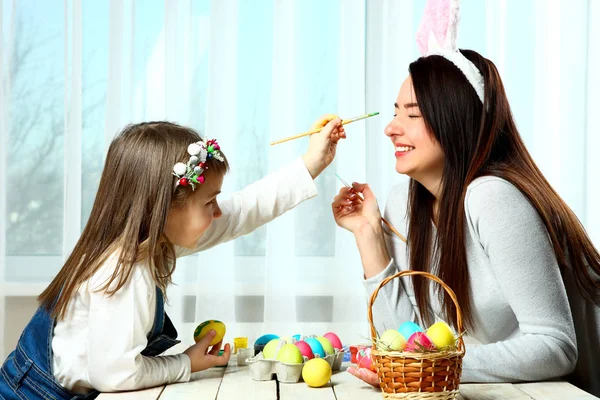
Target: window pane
x,y
35,140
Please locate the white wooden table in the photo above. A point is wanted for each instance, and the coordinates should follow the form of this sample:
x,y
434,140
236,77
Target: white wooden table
x,y
235,382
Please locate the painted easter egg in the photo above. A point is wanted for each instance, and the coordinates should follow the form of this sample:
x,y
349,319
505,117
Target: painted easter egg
x,y
391,340
364,359
327,346
264,339
408,328
316,347
270,349
260,343
441,335
289,354
334,339
316,372
418,342
206,327
304,348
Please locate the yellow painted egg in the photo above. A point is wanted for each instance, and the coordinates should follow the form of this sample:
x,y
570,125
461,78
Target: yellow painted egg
x,y
289,354
327,346
441,335
316,372
206,327
270,349
391,340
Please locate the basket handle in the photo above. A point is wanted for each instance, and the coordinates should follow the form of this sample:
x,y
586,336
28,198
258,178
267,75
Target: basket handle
x,y
428,276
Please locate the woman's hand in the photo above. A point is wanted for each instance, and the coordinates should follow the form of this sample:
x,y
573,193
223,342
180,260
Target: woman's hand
x,y
366,375
353,213
202,358
363,218
322,145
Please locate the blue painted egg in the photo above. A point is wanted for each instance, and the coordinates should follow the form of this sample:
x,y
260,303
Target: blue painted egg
x,y
408,328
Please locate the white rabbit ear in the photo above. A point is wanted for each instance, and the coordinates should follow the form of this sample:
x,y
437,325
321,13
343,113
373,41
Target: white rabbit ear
x,y
437,35
432,45
439,26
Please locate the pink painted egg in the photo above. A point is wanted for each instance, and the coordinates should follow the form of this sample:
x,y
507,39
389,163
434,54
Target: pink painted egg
x,y
364,359
334,339
416,339
305,349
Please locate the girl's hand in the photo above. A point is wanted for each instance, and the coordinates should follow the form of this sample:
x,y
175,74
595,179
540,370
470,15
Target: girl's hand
x,y
353,213
366,375
202,358
322,145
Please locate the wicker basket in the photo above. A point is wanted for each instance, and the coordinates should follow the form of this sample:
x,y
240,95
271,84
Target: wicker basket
x,y
407,375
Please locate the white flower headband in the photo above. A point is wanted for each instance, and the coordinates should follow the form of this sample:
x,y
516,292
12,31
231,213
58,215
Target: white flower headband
x,y
192,172
437,36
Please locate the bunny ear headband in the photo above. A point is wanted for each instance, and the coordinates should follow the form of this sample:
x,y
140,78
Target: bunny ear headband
x,y
437,36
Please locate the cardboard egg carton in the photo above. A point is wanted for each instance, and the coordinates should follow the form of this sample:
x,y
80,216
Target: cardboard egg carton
x,y
262,369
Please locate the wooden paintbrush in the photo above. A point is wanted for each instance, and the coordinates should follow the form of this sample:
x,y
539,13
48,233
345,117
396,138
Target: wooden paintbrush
x,y
344,122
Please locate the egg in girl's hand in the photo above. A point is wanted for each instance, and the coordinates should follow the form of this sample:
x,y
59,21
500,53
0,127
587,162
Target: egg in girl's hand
x,y
391,340
206,327
304,348
441,335
327,346
315,346
316,372
289,354
334,339
364,359
419,342
408,328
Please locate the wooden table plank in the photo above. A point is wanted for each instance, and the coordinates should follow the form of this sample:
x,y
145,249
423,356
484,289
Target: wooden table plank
x,y
238,384
148,394
202,385
559,390
301,391
484,391
348,387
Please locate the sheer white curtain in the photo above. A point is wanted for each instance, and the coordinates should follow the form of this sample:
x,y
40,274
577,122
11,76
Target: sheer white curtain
x,y
248,72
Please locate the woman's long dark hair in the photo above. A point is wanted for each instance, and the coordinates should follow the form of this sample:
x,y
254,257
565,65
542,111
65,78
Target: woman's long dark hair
x,y
477,140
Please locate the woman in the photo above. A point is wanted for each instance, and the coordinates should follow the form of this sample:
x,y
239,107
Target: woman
x,y
478,213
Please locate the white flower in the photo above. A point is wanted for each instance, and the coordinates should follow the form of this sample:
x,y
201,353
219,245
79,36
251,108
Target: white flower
x,y
179,169
218,156
202,155
194,149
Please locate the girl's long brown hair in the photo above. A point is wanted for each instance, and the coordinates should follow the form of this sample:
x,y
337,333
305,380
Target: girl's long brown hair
x,y
478,140
130,212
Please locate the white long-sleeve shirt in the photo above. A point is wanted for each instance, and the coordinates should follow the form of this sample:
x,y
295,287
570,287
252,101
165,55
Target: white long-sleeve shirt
x,y
524,327
98,344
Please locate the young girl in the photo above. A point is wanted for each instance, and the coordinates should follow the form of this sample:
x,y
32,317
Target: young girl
x,y
101,324
479,214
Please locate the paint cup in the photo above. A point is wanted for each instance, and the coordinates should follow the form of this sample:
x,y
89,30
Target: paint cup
x,y
239,343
